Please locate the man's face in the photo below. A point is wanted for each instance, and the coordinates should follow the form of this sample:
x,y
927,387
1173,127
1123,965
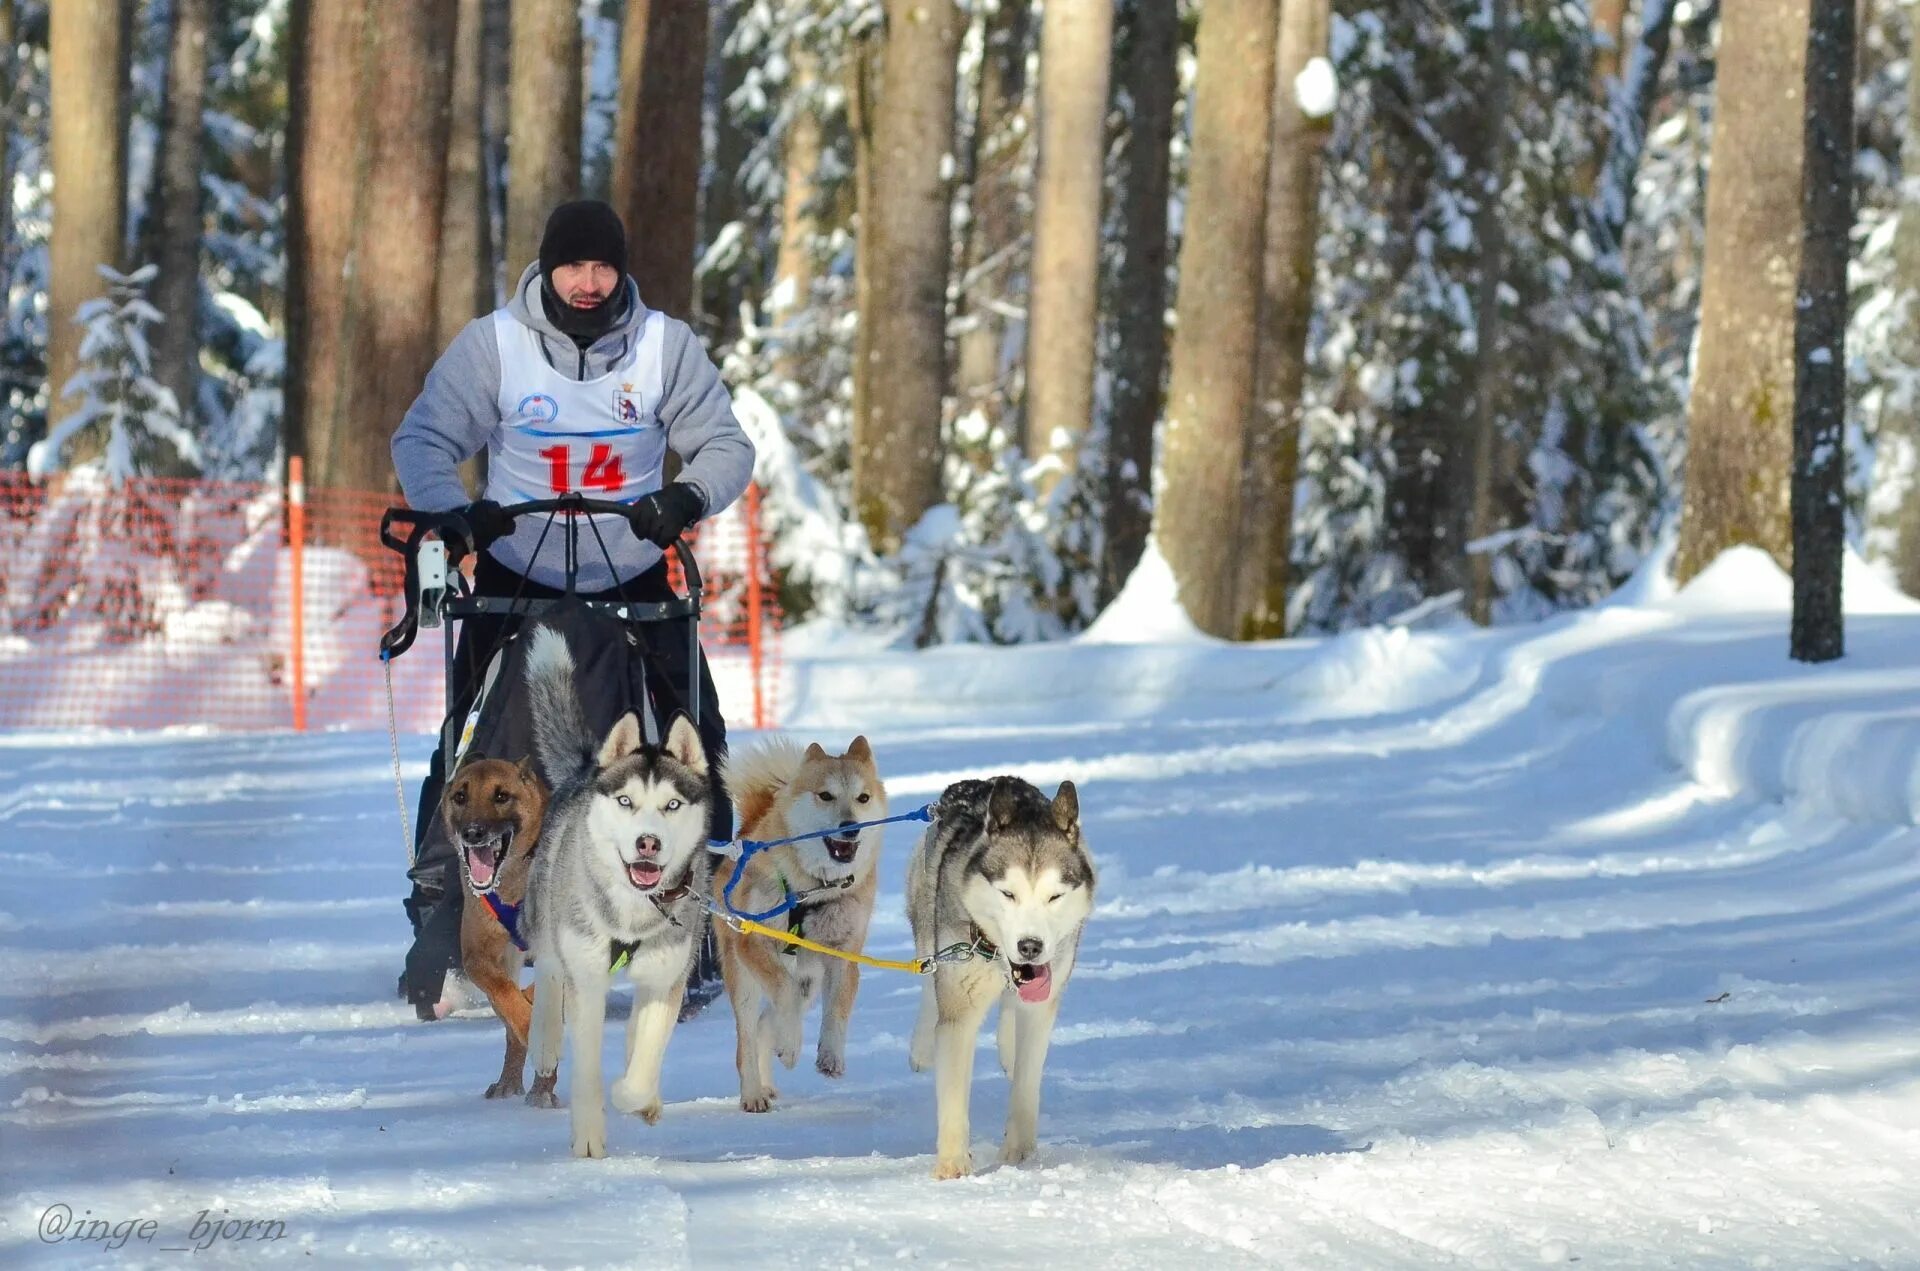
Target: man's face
x,y
585,283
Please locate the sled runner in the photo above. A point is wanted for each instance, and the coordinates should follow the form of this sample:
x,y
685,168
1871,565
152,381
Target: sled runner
x,y
634,652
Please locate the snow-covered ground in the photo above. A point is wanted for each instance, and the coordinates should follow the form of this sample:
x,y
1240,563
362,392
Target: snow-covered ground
x,y
1593,941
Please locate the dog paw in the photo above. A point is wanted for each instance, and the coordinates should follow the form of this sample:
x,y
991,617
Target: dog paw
x,y
590,1140
831,1063
542,1095
954,1167
506,1088
634,1100
1017,1153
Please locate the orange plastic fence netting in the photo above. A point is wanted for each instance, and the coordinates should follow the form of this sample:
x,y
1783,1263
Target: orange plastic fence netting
x,y
160,603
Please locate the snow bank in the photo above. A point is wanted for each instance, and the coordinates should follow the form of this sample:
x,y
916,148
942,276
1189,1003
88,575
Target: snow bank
x,y
1148,608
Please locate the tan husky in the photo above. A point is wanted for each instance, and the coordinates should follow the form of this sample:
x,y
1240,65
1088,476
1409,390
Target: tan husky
x,y
780,791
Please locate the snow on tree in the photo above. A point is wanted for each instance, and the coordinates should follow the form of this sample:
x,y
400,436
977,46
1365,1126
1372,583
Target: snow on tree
x,y
1382,527
135,421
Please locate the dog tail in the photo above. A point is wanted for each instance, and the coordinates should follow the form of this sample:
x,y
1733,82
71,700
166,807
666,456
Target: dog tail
x,y
756,778
561,740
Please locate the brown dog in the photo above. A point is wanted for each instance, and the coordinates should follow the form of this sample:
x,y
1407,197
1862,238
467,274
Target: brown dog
x,y
493,812
782,791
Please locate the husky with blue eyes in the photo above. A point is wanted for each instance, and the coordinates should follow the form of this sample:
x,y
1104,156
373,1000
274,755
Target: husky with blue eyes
x,y
1004,871
616,882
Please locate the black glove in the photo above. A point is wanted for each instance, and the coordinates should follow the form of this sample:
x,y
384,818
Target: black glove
x,y
487,521
664,515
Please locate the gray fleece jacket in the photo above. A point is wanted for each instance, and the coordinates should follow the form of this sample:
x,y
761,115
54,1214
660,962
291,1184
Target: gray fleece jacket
x,y
457,414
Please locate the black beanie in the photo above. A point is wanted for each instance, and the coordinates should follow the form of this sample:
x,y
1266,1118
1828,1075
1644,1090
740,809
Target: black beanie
x,y
583,230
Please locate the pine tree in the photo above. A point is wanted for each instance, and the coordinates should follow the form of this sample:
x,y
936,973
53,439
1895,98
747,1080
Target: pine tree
x,y
369,188
1739,434
543,130
1076,53
89,56
127,416
994,245
1210,388
658,146
1146,82
178,220
1578,487
1303,105
897,453
1820,337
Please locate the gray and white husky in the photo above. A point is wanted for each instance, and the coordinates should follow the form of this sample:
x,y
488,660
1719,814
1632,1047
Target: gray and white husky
x,y
621,860
1004,869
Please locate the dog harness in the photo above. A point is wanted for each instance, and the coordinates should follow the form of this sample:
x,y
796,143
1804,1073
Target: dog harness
x,y
619,951
508,916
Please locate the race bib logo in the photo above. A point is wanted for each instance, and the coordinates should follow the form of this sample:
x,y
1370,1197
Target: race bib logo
x,y
626,408
537,408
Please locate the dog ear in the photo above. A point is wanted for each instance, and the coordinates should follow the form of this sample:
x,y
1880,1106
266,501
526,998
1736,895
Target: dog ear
x,y
527,774
684,744
816,753
1066,807
860,751
1003,806
623,739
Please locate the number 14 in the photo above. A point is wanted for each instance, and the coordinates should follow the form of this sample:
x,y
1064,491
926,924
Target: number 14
x,y
603,471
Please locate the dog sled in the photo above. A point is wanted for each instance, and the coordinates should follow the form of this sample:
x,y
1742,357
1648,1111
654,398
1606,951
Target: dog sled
x,y
633,652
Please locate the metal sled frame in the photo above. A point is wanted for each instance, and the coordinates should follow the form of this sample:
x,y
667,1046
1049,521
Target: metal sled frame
x,y
431,601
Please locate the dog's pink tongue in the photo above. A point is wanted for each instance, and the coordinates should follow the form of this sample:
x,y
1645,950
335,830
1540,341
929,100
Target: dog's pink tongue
x,y
480,864
1036,989
644,873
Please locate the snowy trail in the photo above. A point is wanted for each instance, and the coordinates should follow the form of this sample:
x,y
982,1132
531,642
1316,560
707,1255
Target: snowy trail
x,y
1589,941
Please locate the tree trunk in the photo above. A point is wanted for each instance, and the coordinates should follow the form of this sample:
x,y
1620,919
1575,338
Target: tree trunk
x,y
1630,112
896,461
990,260
1148,74
657,146
87,53
323,150
1739,445
1489,373
1820,339
376,78
1609,45
11,90
1076,55
466,233
1210,389
497,108
724,290
1904,516
793,269
862,74
543,129
177,220
1286,309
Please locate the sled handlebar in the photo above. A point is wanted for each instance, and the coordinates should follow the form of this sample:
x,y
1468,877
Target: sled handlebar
x,y
453,529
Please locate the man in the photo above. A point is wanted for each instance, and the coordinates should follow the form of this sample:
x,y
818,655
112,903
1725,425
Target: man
x,y
575,385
